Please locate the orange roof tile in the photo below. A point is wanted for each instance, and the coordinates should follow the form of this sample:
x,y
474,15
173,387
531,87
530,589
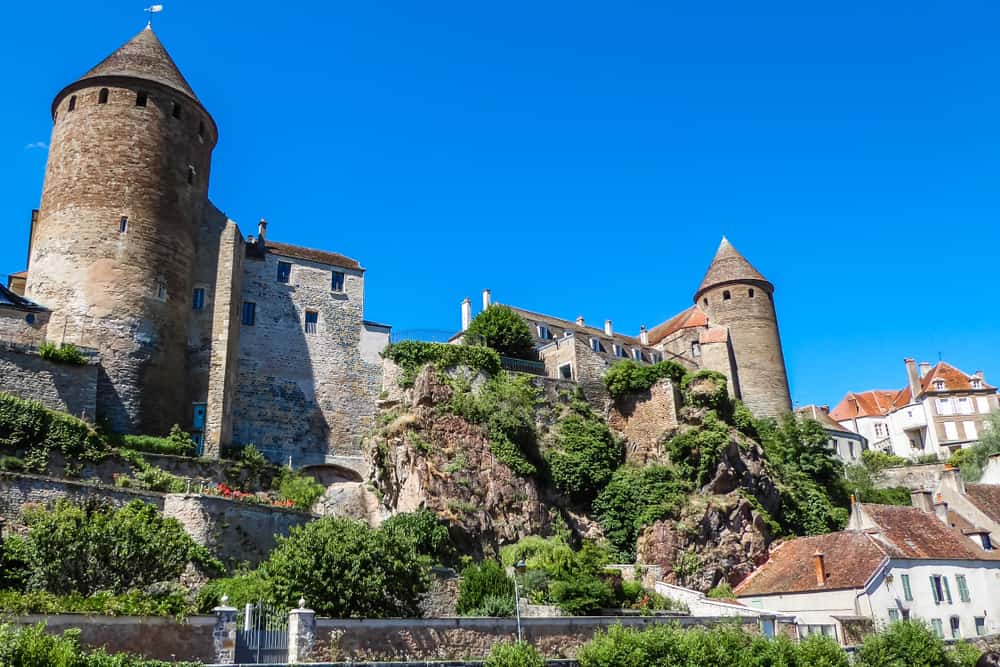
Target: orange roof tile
x,y
954,379
986,497
912,533
311,255
877,402
823,417
692,317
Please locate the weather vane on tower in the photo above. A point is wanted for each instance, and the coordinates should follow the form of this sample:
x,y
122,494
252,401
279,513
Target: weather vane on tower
x,y
153,9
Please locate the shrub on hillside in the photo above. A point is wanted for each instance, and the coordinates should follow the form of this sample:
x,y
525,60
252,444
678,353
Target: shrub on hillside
x,y
520,654
628,377
500,328
877,461
66,353
411,356
696,451
345,569
905,644
301,490
30,427
483,583
32,646
707,389
425,531
972,460
88,548
176,443
584,455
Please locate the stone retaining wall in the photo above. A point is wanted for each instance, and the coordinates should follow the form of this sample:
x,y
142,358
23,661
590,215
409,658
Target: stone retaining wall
x,y
62,387
916,478
468,638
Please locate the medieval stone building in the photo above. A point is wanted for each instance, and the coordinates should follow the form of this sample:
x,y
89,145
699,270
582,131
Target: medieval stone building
x,y
236,339
731,328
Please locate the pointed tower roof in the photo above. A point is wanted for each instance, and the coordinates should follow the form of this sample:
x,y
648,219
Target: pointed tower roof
x,y
729,266
143,57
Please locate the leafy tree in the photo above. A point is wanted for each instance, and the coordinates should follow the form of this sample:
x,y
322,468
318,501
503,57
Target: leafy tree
x,y
877,461
347,570
483,584
972,460
520,654
301,489
425,531
903,644
635,498
500,328
412,355
584,456
861,481
84,549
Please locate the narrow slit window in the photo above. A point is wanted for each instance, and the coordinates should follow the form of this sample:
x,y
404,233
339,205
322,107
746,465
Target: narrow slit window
x,y
102,97
201,130
141,98
750,292
312,321
72,104
191,175
337,281
249,314
726,295
198,299
175,110
704,302
123,224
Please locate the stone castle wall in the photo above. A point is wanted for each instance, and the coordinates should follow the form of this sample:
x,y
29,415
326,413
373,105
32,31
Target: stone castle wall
x,y
15,328
17,491
107,161
62,387
302,395
644,419
753,330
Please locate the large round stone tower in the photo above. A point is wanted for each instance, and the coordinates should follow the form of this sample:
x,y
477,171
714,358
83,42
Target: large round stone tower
x,y
112,253
735,295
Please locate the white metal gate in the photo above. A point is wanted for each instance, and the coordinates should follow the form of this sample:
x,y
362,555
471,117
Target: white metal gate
x,y
262,635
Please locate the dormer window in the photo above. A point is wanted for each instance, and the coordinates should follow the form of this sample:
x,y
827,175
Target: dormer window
x,y
977,383
595,344
939,385
567,333
637,354
543,331
619,350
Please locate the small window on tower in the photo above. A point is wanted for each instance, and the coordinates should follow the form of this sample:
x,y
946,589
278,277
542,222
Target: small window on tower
x,y
312,321
102,97
175,110
141,98
72,103
191,175
284,272
161,290
750,292
704,302
198,299
337,281
726,296
201,130
123,225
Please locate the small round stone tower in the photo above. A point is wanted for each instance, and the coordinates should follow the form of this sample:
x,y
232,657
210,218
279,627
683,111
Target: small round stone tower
x,y
735,295
113,249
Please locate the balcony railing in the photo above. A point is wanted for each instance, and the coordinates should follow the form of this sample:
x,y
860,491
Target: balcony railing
x,y
522,366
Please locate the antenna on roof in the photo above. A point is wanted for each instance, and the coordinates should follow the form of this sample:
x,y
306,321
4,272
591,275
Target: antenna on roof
x,y
939,356
152,9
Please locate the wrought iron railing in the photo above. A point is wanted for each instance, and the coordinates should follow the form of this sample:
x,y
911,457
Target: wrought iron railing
x,y
522,366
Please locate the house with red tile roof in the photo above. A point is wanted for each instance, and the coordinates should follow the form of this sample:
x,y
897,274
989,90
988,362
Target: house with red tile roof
x,y
732,327
940,410
973,508
891,563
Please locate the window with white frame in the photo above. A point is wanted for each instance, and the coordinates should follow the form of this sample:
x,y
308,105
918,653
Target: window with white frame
x,y
939,385
637,354
595,344
980,622
907,591
937,627
956,627
965,405
655,357
977,383
970,430
618,350
881,430
963,588
944,406
543,331
893,614
950,431
566,371
983,405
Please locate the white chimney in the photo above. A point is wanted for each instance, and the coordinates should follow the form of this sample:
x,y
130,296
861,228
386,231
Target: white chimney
x,y
466,313
486,299
261,229
925,368
643,335
579,321
608,331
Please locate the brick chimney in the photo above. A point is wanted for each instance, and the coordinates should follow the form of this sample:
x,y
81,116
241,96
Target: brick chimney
x,y
913,378
922,500
487,299
643,335
466,313
820,565
579,321
925,368
608,331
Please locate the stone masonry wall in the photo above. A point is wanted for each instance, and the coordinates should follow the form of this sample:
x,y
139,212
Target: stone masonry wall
x,y
152,637
590,369
15,328
467,638
233,531
304,396
62,387
644,419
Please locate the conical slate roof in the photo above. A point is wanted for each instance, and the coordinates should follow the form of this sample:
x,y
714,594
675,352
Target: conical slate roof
x,y
730,266
143,57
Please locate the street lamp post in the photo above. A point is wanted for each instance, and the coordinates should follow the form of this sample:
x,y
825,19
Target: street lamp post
x,y
518,569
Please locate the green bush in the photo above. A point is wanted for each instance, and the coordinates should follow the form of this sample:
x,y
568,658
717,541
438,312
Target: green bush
x,y
425,531
500,328
877,461
29,427
148,476
301,489
177,443
904,644
584,457
345,569
411,356
66,353
481,582
861,481
696,451
498,606
15,563
171,602
722,592
628,377
506,407
520,654
637,497
245,587
33,647
716,399
973,459
91,548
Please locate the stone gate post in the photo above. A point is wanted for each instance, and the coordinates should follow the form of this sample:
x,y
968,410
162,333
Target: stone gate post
x,y
301,633
224,635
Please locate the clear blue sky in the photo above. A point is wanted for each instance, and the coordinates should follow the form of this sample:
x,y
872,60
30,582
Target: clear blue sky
x,y
586,158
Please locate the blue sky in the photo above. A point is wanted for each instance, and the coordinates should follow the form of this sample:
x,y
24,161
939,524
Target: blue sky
x,y
586,158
